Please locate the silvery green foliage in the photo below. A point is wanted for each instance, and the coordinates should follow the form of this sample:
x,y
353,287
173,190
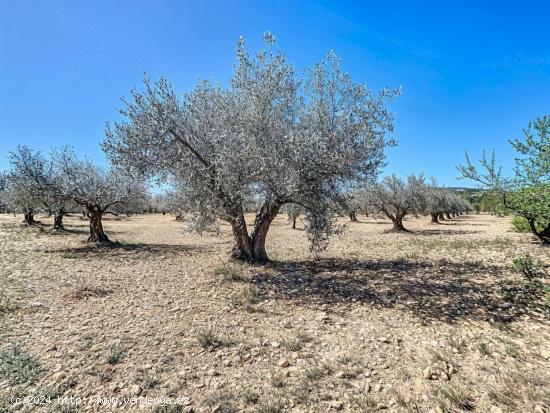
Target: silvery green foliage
x,y
199,223
34,182
158,203
442,201
396,198
272,133
94,188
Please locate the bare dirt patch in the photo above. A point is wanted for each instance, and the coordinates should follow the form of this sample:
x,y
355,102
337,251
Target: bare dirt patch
x,y
433,319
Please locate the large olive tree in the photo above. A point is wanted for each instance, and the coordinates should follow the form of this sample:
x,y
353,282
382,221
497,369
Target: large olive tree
x,y
288,139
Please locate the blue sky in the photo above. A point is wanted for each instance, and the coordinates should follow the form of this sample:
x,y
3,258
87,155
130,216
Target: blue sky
x,y
473,73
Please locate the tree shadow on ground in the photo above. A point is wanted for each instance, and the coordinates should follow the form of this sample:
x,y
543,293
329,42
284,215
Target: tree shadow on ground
x,y
428,232
432,290
112,249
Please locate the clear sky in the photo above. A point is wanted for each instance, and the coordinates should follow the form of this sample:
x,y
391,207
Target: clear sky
x,y
473,73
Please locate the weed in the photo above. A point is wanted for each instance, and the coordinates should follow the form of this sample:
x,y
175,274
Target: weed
x,y
17,366
250,396
220,402
207,339
116,353
146,380
228,273
449,397
271,406
528,266
245,298
277,380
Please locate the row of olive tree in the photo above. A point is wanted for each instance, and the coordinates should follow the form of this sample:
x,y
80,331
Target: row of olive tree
x,y
395,199
61,183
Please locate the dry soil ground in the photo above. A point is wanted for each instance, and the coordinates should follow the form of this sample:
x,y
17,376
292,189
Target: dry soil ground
x,y
436,320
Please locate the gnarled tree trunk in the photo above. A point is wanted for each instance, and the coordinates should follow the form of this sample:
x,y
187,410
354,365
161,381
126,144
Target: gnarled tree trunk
x,y
353,216
441,217
96,226
397,222
434,219
447,215
294,223
28,217
252,248
58,220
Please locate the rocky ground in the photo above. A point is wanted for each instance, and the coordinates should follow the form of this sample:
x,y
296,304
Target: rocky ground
x,y
437,320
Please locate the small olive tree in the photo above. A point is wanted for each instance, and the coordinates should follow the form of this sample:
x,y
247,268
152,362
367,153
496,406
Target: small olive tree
x,y
527,194
396,198
31,185
96,190
293,212
285,138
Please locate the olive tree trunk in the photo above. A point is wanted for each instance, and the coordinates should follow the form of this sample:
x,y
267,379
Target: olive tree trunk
x,y
58,220
96,226
447,215
353,216
252,247
28,217
434,219
397,221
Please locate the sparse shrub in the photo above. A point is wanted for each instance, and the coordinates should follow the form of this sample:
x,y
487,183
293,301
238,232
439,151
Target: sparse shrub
x,y
84,289
146,380
228,273
207,338
277,380
17,366
271,406
245,298
222,402
250,396
168,408
527,265
449,397
6,304
116,353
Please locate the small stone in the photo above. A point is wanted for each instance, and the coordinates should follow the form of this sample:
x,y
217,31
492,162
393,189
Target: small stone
x,y
283,363
295,355
135,390
427,373
377,387
495,409
336,404
275,344
340,374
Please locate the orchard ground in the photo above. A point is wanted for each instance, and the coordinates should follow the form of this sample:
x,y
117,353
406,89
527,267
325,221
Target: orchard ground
x,y
437,319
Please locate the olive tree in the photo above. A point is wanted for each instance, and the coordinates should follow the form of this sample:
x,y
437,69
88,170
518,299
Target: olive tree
x,y
96,190
396,198
527,193
30,184
288,139
293,212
